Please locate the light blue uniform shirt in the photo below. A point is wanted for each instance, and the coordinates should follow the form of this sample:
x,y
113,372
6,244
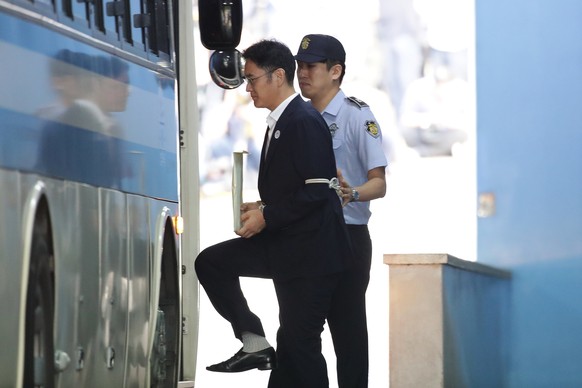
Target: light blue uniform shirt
x,y
357,144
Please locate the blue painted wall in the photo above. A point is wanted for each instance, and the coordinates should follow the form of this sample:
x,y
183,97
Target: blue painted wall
x,y
476,323
529,128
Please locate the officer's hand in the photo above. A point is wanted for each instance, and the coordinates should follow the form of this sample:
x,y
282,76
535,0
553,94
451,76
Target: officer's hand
x,y
345,188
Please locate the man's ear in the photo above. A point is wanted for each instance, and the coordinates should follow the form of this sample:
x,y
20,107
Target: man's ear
x,y
336,71
280,76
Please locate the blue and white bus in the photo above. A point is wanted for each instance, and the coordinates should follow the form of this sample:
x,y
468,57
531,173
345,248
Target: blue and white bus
x,y
98,175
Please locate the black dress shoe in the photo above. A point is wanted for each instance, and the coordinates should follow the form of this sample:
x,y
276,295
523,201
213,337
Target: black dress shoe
x,y
263,360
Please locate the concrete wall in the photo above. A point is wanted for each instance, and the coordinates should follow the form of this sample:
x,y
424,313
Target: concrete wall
x,y
449,322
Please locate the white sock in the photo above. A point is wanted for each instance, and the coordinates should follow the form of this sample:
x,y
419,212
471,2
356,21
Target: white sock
x,y
253,342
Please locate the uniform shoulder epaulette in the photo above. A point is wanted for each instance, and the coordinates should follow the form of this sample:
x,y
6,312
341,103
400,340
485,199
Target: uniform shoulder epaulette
x,y
361,104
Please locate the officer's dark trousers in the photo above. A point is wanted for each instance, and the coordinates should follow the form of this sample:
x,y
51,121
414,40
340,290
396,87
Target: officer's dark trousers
x,y
347,318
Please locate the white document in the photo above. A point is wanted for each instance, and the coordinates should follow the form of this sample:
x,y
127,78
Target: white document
x,y
237,186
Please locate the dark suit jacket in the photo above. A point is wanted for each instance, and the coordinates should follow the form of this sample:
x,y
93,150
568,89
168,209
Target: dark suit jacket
x,y
306,233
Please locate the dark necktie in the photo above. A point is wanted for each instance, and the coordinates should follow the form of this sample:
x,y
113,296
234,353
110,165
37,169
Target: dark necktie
x,y
267,141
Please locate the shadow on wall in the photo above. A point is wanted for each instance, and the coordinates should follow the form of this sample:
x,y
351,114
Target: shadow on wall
x,y
546,311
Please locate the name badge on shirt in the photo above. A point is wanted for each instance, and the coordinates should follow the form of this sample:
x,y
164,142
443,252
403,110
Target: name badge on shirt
x,y
333,128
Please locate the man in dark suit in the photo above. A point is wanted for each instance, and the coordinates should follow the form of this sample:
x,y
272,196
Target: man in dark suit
x,y
295,235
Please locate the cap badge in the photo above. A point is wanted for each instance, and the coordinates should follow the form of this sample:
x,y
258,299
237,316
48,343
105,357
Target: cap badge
x,y
372,128
305,43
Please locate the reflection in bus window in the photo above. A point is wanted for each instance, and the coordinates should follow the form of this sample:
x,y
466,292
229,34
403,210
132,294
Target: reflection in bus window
x,y
90,88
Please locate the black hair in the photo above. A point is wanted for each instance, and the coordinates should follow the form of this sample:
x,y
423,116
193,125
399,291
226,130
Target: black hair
x,y
271,55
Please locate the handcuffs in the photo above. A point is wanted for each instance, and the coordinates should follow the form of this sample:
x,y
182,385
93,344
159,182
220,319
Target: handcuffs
x,y
333,183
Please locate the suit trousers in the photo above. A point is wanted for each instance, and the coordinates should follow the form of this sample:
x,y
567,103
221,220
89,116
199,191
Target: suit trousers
x,y
347,318
304,303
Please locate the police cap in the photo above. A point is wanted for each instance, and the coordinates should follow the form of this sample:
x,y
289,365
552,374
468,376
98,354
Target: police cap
x,y
318,47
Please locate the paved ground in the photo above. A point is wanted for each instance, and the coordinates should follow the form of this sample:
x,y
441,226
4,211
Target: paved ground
x,y
429,208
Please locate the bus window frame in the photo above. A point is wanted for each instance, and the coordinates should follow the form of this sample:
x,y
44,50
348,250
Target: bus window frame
x,y
127,40
45,8
156,28
155,41
67,16
100,27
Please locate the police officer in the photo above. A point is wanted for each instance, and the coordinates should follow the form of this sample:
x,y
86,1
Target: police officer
x,y
360,158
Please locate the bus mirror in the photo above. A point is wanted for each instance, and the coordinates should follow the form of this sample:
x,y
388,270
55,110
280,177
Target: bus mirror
x,y
226,69
220,23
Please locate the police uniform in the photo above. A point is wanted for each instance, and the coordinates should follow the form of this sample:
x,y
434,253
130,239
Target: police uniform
x,y
357,145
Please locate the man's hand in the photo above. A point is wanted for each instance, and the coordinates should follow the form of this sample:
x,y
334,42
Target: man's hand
x,y
345,188
245,207
252,220
253,223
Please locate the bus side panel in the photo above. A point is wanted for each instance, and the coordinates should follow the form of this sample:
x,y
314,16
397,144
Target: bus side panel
x,y
114,259
139,294
10,275
75,222
159,213
103,283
